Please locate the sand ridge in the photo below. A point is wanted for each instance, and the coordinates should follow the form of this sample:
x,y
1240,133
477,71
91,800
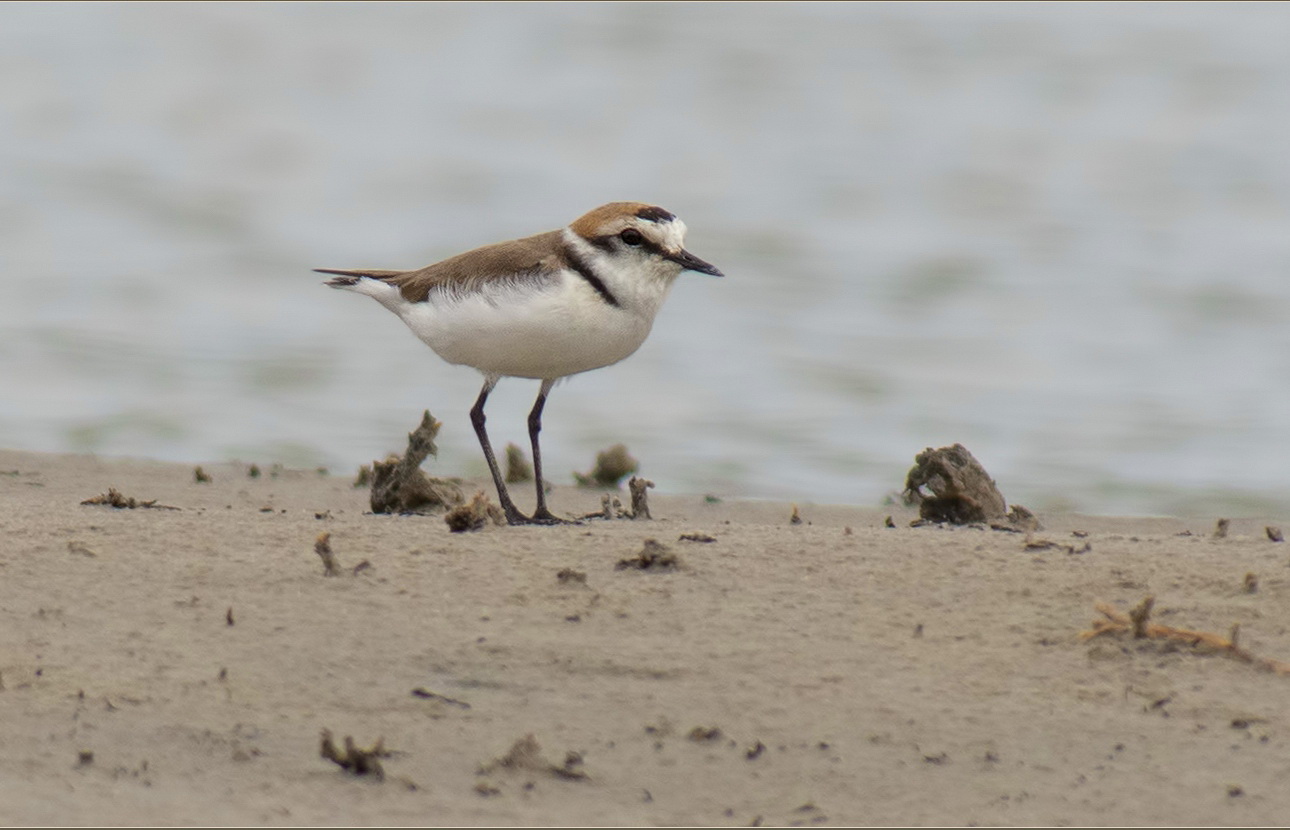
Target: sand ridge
x,y
178,667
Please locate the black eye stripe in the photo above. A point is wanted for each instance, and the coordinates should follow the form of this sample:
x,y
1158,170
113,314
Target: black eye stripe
x,y
608,243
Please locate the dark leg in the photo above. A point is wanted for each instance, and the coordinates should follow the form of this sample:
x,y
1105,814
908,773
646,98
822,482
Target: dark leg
x,y
513,515
541,514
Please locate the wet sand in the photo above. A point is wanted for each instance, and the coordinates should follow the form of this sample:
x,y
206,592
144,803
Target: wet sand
x,y
178,666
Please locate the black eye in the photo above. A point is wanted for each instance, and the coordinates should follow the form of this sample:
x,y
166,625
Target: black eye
x,y
632,237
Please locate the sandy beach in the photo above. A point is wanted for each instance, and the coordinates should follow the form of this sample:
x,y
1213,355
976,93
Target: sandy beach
x,y
178,666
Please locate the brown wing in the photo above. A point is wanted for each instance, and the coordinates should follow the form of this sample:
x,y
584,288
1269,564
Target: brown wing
x,y
465,272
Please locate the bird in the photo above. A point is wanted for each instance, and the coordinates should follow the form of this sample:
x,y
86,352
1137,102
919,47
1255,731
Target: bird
x,y
542,307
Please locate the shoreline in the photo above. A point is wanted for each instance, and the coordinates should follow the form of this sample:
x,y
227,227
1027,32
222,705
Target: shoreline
x,y
829,673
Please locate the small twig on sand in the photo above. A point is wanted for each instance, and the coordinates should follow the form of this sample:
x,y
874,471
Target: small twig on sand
x,y
1116,622
322,547
426,694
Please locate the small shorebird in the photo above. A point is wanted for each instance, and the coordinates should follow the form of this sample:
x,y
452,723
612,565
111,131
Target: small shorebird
x,y
543,307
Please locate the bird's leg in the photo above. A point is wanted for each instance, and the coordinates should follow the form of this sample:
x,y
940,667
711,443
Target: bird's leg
x,y
541,514
513,515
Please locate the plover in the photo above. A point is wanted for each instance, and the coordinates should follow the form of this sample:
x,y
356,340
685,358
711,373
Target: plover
x,y
543,307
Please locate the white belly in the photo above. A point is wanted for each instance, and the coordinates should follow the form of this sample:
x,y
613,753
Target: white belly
x,y
529,331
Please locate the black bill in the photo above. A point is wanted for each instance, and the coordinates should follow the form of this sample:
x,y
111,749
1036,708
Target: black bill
x,y
690,262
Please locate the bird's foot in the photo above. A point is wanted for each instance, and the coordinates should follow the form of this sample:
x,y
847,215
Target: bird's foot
x,y
542,516
515,518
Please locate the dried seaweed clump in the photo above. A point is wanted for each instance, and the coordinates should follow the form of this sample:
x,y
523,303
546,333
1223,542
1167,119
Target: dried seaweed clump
x,y
962,492
612,466
518,467
654,556
474,516
640,499
399,485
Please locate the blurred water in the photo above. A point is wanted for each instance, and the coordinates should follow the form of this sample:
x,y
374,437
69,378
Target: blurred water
x,y
1059,234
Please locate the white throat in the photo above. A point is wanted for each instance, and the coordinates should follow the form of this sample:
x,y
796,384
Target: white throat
x,y
640,287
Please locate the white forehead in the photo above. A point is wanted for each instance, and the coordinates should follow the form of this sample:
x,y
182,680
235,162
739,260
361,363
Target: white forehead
x,y
668,234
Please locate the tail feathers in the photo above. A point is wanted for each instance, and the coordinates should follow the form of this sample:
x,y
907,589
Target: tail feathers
x,y
346,279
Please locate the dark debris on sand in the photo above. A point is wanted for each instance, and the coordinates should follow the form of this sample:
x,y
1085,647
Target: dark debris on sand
x,y
352,759
114,498
962,492
525,755
568,576
654,556
474,515
612,508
